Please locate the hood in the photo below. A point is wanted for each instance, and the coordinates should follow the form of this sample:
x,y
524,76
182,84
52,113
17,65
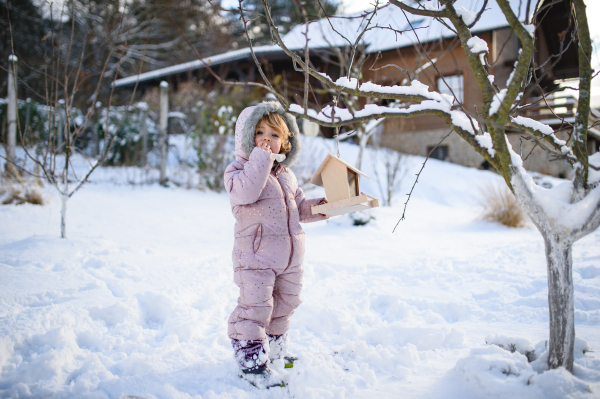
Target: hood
x,y
246,126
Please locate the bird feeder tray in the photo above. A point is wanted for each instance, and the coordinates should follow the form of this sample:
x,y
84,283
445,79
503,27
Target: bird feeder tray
x,y
341,183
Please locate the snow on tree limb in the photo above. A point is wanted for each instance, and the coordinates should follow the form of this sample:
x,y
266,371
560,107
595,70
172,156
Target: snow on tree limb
x,y
544,132
464,125
522,66
552,209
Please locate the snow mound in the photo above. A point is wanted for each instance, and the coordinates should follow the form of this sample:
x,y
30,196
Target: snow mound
x,y
511,344
495,372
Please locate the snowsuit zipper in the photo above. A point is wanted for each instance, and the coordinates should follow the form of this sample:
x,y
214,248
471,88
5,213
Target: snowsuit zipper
x,y
287,210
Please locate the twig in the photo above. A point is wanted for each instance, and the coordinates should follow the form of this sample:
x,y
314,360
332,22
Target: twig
x,y
417,179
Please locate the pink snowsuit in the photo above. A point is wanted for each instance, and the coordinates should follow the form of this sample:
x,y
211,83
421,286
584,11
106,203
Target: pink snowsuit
x,y
269,243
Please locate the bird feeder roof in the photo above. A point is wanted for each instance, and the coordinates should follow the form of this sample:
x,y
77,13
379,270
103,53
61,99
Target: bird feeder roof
x,y
317,179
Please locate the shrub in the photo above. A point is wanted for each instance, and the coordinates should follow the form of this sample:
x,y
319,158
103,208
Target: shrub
x,y
127,147
18,191
500,206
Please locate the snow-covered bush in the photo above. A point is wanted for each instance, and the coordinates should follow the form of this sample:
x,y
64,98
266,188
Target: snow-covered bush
x,y
500,206
127,147
512,344
32,115
361,218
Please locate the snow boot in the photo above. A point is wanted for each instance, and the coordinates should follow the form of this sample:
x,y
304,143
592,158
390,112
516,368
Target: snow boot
x,y
278,345
261,377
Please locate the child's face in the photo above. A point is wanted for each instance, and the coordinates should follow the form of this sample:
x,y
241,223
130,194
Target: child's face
x,y
267,138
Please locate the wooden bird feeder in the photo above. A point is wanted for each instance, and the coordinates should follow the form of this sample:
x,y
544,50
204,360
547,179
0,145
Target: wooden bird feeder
x,y
340,181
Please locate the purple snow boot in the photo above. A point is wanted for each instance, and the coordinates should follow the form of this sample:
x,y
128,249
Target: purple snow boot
x,y
278,345
252,358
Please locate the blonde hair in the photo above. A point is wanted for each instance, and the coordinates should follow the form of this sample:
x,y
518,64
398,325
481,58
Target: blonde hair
x,y
276,122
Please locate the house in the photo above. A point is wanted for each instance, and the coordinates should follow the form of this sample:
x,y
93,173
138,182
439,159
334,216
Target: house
x,y
392,50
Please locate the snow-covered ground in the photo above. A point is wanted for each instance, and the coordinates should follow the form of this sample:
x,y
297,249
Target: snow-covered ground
x,y
136,301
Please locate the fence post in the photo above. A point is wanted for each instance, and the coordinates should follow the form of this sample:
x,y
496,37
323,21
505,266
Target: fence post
x,y
96,130
61,126
27,116
163,124
144,114
12,115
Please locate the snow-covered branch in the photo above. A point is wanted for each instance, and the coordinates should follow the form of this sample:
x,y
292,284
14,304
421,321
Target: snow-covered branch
x,y
462,124
544,132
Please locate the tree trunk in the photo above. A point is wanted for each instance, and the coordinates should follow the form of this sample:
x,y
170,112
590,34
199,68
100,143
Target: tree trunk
x,y
560,301
144,157
362,144
63,215
12,111
163,125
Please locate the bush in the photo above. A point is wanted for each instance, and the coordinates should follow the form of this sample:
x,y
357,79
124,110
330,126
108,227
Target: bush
x,y
18,191
127,147
500,206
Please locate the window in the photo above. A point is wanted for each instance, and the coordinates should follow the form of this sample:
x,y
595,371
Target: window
x,y
454,82
441,152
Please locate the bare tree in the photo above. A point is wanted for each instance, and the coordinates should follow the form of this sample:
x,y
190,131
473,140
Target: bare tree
x,y
66,126
560,223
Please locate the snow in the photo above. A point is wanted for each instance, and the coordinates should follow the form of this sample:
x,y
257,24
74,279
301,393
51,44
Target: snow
x,y
478,46
176,114
467,16
415,88
530,29
437,101
544,129
555,202
329,113
136,301
321,35
461,120
497,101
13,58
351,83
164,84
485,140
533,124
142,106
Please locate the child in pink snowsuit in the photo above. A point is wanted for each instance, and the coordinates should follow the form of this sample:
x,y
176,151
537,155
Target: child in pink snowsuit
x,y
269,243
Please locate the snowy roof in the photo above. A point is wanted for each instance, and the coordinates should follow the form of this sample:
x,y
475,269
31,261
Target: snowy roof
x,y
235,55
322,35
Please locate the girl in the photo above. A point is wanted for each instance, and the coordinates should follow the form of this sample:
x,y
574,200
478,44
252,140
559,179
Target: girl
x,y
269,243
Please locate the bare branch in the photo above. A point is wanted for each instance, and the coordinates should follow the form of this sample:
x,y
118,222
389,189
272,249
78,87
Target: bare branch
x,y
268,87
420,11
417,179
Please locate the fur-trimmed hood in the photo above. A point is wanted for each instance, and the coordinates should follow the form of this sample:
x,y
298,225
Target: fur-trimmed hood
x,y
246,126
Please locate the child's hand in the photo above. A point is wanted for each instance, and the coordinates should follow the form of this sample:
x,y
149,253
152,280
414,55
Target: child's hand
x,y
323,202
265,146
